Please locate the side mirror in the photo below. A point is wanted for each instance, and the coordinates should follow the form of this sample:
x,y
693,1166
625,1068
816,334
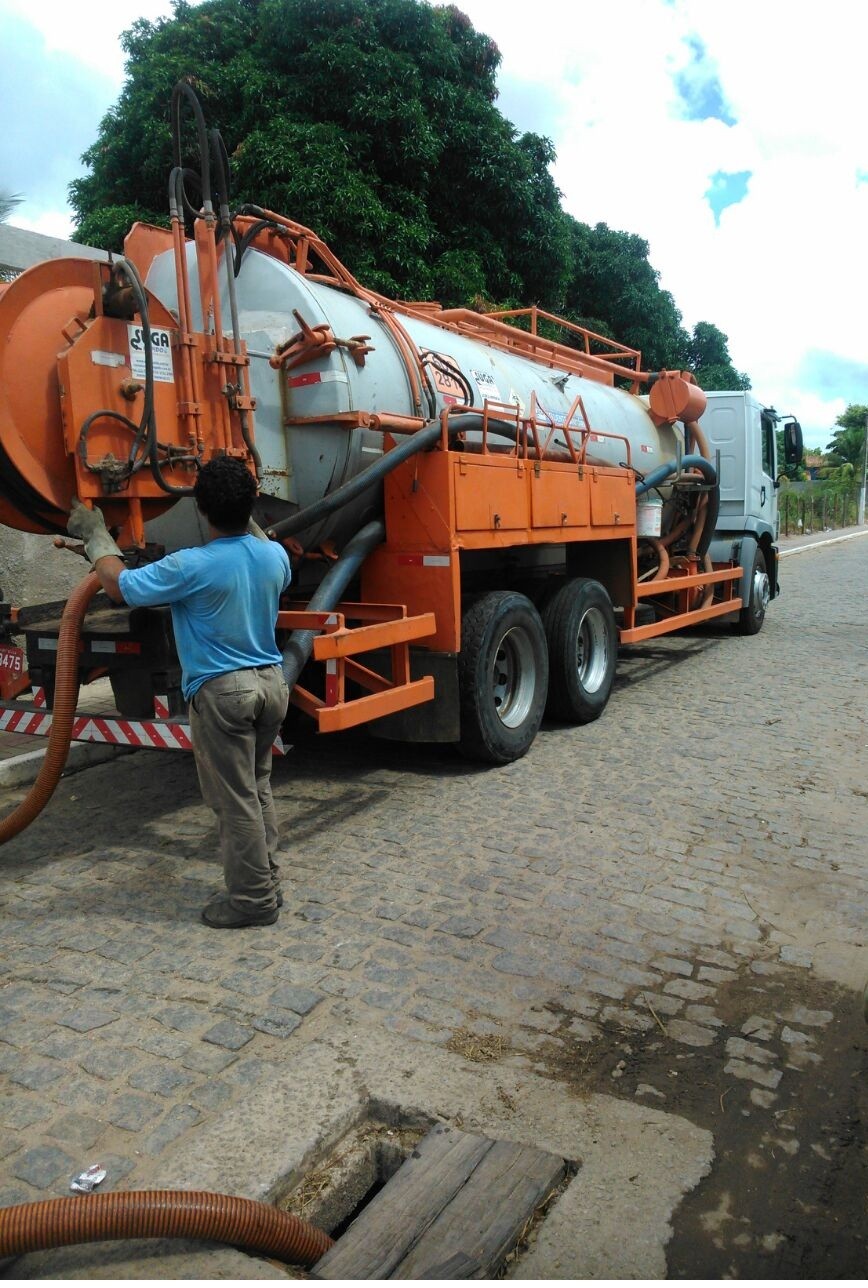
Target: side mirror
x,y
793,445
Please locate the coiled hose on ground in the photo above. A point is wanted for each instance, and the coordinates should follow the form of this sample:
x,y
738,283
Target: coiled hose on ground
x,y
65,699
154,1214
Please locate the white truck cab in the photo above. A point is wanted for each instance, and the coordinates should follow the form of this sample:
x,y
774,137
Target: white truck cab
x,y
742,436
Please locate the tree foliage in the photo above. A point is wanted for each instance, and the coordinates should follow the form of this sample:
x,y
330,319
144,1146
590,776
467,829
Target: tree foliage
x,y
848,444
8,202
709,360
375,123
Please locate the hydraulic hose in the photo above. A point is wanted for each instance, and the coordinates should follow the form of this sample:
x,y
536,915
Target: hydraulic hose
x,y
65,699
329,593
663,472
421,441
153,1214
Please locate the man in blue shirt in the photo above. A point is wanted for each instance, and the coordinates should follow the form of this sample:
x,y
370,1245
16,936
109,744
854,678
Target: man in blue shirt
x,y
224,599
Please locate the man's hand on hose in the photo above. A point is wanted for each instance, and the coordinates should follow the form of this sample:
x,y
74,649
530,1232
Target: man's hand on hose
x,y
89,526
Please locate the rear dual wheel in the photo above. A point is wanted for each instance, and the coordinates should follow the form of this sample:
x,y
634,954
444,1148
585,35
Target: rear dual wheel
x,y
502,676
582,640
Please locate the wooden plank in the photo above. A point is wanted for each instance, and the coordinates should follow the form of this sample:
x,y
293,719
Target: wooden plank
x,y
394,1221
452,1211
473,1234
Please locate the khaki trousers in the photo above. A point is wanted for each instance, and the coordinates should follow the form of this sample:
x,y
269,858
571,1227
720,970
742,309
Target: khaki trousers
x,y
234,720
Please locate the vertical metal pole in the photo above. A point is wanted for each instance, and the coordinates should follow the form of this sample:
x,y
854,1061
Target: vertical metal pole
x,y
861,516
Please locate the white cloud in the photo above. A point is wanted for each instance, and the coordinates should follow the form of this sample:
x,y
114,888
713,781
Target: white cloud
x,y
782,274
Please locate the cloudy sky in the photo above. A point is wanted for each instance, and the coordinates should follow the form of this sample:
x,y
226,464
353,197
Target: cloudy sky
x,y
730,134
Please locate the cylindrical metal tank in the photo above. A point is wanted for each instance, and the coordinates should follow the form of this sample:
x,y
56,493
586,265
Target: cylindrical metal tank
x,y
301,463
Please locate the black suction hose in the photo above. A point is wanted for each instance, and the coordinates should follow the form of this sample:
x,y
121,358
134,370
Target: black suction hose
x,y
421,441
329,593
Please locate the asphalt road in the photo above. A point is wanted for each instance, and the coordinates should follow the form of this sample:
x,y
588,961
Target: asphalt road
x,y
664,912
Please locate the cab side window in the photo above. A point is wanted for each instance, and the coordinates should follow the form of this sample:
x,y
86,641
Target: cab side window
x,y
768,446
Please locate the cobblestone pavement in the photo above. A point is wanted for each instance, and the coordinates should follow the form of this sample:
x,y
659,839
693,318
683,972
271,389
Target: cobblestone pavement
x,y
682,881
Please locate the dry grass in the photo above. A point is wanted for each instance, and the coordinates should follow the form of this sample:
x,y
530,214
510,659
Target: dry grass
x,y
479,1049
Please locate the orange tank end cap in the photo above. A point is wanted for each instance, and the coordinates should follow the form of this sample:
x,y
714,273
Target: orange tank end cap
x,y
676,396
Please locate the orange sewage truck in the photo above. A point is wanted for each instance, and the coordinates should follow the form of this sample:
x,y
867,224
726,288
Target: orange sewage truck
x,y
480,513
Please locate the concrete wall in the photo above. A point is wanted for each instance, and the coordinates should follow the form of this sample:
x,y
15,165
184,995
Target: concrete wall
x,y
32,571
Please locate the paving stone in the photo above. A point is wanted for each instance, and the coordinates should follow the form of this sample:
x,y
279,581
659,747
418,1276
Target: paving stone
x,y
716,975
207,1059
769,1078
464,927
8,1144
703,1015
793,1037
811,1019
689,989
76,1130
673,966
228,1034
178,1120
87,1018
131,1112
21,1111
296,998
182,1018
757,1026
162,1079
36,1077
277,1022
796,956
108,1062
690,1034
42,1166
743,1050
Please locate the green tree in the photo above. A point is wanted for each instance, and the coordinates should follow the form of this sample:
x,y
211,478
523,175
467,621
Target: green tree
x,y
614,290
373,121
8,202
709,360
847,446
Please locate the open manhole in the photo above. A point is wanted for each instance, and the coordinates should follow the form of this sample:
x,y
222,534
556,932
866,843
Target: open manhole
x,y
414,1199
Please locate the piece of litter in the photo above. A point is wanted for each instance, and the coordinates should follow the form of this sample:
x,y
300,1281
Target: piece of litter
x,y
87,1181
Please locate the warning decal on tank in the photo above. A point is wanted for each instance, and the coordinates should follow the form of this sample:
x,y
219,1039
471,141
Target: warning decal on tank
x,y
161,350
448,386
487,386
317,378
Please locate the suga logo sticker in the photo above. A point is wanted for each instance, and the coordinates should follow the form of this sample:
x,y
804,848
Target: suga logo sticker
x,y
161,350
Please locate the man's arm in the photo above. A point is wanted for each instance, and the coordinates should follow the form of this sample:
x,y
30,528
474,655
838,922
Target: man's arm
x,y
108,569
99,547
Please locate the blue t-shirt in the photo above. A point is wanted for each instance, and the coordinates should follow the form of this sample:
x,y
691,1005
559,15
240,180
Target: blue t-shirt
x,y
224,600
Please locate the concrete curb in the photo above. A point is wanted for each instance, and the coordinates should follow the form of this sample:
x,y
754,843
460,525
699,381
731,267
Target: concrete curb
x,y
815,545
21,771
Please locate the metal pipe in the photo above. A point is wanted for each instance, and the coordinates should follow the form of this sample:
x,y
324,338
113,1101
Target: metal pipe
x,y
329,593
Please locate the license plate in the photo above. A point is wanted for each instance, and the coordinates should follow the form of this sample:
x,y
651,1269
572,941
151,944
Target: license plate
x,y
11,661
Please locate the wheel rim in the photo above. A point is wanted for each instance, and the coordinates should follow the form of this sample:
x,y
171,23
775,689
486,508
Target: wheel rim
x,y
513,677
592,651
761,593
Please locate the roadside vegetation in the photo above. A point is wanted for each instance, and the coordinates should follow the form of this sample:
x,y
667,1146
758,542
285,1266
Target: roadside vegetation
x,y
375,123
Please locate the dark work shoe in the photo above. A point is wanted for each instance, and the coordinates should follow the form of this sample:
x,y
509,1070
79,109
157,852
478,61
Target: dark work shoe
x,y
222,916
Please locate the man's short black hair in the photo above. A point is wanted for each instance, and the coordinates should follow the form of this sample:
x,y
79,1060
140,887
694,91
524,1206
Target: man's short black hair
x,y
225,491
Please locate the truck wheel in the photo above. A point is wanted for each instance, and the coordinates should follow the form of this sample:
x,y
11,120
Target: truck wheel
x,y
583,650
502,677
752,616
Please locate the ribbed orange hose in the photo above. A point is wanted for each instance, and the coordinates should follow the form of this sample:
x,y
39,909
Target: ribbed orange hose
x,y
161,1214
65,699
